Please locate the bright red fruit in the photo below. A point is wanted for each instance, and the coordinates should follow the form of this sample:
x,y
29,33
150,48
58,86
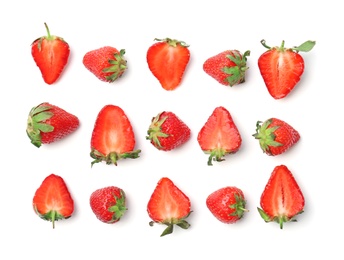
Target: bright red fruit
x,y
227,204
167,60
48,123
219,136
228,67
167,131
106,63
52,200
282,198
108,204
51,55
112,137
275,136
282,68
168,205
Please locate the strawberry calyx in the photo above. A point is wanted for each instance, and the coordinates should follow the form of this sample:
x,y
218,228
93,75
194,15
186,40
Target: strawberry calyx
x,y
304,47
173,42
266,135
112,157
36,123
154,132
236,73
217,155
52,216
119,208
279,219
117,68
238,206
48,37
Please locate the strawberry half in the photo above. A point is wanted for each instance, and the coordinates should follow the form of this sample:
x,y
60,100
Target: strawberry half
x,y
167,60
52,200
51,55
282,198
106,63
275,136
108,204
219,136
168,205
167,131
48,123
112,137
282,68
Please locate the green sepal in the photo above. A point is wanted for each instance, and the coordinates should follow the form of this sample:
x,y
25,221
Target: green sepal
x,y
217,155
238,206
278,219
119,208
304,47
236,73
118,66
155,132
173,42
112,157
52,216
266,135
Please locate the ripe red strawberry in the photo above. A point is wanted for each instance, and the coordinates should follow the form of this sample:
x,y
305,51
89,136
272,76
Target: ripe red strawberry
x,y
167,60
227,204
112,137
108,204
282,68
48,123
282,198
51,55
168,205
275,136
167,131
52,200
106,63
219,136
228,67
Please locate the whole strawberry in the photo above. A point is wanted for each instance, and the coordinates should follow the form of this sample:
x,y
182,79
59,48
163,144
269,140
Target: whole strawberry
x,y
275,136
106,63
227,204
51,55
108,204
282,68
52,200
167,131
228,67
48,123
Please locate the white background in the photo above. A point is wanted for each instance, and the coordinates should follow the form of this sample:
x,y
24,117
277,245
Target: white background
x,y
313,108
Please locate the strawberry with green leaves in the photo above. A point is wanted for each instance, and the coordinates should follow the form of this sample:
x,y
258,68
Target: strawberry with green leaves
x,y
282,198
167,131
106,63
282,68
227,67
49,123
52,200
275,136
108,204
167,60
169,206
50,54
113,137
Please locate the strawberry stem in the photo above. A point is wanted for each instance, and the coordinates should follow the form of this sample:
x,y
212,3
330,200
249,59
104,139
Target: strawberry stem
x,y
48,31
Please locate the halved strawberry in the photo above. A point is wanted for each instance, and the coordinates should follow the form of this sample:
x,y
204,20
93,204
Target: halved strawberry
x,y
113,137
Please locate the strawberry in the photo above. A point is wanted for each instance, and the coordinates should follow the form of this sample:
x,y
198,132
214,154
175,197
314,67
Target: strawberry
x,y
167,60
106,63
227,204
50,54
48,123
282,68
112,137
168,205
108,204
167,131
52,200
282,198
227,67
219,136
275,136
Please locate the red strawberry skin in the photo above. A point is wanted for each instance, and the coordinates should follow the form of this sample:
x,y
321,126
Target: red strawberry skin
x,y
108,204
227,204
276,136
106,63
228,67
168,205
52,200
282,68
282,198
50,54
167,131
49,123
113,137
167,60
219,136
